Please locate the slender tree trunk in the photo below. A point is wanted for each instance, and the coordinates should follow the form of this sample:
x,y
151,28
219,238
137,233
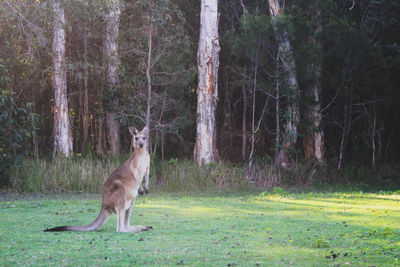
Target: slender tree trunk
x,y
100,136
162,134
253,113
313,142
35,128
99,124
346,130
277,125
318,132
287,60
373,135
148,69
162,146
112,59
62,131
205,150
244,119
85,117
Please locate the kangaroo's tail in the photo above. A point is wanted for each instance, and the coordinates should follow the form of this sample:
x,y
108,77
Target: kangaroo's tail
x,y
101,219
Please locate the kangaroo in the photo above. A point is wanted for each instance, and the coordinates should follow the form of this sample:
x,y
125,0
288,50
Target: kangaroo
x,y
121,189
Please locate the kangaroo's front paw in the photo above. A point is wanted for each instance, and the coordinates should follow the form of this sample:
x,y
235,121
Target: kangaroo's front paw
x,y
140,191
146,190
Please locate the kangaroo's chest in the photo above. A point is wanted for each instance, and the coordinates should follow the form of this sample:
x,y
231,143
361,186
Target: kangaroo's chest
x,y
139,165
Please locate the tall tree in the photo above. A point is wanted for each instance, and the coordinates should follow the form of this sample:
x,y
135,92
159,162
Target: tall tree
x,y
112,63
205,150
85,104
290,79
148,77
313,142
62,131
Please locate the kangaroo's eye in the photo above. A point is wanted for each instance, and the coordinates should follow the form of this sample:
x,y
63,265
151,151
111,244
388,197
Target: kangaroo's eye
x,y
136,138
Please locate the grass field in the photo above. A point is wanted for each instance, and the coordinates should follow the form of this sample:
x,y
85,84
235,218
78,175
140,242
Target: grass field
x,y
209,229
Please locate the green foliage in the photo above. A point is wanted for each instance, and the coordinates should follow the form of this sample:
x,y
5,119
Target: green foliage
x,y
212,229
357,49
17,128
172,68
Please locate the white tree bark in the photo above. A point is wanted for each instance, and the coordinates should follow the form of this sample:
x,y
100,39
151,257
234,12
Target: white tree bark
x,y
62,131
148,76
205,150
112,63
318,133
289,66
244,120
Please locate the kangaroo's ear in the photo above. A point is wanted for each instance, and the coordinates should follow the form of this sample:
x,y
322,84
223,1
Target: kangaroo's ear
x,y
145,130
133,130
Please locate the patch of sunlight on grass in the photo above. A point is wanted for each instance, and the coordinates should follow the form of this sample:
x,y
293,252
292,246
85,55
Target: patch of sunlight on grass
x,y
190,211
373,211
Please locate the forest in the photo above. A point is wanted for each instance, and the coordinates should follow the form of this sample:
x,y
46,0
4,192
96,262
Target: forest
x,y
220,133
274,88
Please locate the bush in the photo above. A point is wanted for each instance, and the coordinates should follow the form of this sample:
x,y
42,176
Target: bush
x,y
16,128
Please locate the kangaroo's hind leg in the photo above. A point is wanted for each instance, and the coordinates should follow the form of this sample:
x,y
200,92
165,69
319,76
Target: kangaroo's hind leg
x,y
120,220
129,228
128,214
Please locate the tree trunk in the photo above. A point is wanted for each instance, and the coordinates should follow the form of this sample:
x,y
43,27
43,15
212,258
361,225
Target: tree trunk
x,y
162,146
318,132
112,60
373,135
35,128
85,117
100,136
313,143
253,130
148,69
205,150
346,130
288,64
277,125
62,131
244,119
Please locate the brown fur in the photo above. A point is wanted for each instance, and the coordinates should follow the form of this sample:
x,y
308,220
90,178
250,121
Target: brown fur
x,y
121,189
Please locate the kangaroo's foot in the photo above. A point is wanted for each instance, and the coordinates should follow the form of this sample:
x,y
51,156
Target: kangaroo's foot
x,y
133,229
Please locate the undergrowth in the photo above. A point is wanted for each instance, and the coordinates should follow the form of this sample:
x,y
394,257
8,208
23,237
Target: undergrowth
x,y
79,174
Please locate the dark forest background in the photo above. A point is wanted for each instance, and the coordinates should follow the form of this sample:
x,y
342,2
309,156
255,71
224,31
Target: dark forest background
x,y
355,43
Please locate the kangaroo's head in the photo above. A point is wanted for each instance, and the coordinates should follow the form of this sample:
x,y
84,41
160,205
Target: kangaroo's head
x,y
138,138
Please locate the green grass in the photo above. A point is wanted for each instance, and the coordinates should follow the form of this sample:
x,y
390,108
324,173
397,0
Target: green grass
x,y
209,229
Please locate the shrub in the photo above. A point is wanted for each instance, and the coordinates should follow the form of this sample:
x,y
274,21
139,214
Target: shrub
x,y
17,123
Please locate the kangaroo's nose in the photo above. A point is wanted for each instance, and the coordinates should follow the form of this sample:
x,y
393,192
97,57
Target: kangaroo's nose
x,y
141,145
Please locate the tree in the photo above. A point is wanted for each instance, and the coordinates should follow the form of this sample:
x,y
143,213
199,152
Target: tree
x,y
17,127
313,142
112,65
156,67
290,83
205,150
62,131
